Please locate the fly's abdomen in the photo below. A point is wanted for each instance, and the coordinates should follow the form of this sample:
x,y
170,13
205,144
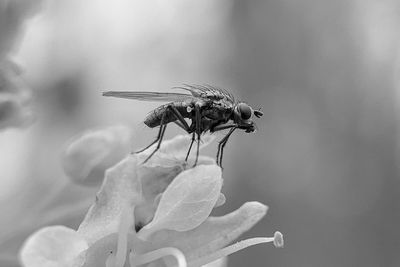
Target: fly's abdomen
x,y
154,118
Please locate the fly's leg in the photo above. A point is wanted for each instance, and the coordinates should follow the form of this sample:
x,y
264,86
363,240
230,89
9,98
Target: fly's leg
x,y
221,145
224,127
180,125
198,131
193,138
222,151
190,147
152,143
181,122
161,135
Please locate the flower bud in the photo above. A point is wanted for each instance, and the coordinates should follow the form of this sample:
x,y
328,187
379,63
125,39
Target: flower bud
x,y
88,155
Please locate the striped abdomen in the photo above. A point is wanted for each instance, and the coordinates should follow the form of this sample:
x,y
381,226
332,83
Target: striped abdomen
x,y
154,118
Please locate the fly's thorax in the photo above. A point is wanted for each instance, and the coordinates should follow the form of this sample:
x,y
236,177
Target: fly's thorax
x,y
218,110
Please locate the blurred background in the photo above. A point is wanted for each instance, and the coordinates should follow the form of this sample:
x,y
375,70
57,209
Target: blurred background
x,y
325,73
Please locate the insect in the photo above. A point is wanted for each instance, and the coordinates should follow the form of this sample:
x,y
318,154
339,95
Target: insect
x,y
208,108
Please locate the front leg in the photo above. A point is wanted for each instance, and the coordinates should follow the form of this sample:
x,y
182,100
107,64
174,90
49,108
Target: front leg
x,y
224,127
222,144
198,130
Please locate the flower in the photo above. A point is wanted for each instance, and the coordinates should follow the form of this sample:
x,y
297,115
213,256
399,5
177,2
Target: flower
x,y
87,156
153,214
15,96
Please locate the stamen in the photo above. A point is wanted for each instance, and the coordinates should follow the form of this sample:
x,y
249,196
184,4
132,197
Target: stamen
x,y
110,262
135,260
277,240
126,223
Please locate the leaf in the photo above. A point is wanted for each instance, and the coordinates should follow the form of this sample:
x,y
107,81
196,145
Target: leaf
x,y
187,201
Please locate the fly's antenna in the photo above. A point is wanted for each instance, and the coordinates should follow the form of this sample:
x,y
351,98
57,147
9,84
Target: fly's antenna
x,y
258,113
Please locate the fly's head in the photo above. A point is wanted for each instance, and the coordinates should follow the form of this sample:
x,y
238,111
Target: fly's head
x,y
243,115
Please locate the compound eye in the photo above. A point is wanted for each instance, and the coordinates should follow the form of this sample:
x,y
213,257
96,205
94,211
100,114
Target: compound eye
x,y
245,111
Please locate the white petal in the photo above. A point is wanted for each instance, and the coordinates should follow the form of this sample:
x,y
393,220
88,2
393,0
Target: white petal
x,y
213,234
88,155
53,246
187,201
121,189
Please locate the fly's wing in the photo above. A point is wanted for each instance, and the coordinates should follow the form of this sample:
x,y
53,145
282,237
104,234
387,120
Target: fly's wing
x,y
150,96
208,92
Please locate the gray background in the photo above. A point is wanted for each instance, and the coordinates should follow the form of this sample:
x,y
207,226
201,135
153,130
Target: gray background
x,y
325,73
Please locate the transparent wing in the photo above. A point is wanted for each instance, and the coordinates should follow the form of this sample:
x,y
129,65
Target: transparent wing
x,y
150,96
208,92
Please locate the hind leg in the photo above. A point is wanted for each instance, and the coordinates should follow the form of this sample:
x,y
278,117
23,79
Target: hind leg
x,y
160,138
152,143
181,122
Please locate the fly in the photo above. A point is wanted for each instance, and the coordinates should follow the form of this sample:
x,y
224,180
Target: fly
x,y
207,107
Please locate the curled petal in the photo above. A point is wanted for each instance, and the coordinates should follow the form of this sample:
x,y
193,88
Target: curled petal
x,y
221,200
88,155
121,189
99,252
161,169
53,246
187,201
156,179
213,234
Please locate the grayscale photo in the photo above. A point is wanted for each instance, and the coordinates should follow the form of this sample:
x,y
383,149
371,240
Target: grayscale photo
x,y
205,133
